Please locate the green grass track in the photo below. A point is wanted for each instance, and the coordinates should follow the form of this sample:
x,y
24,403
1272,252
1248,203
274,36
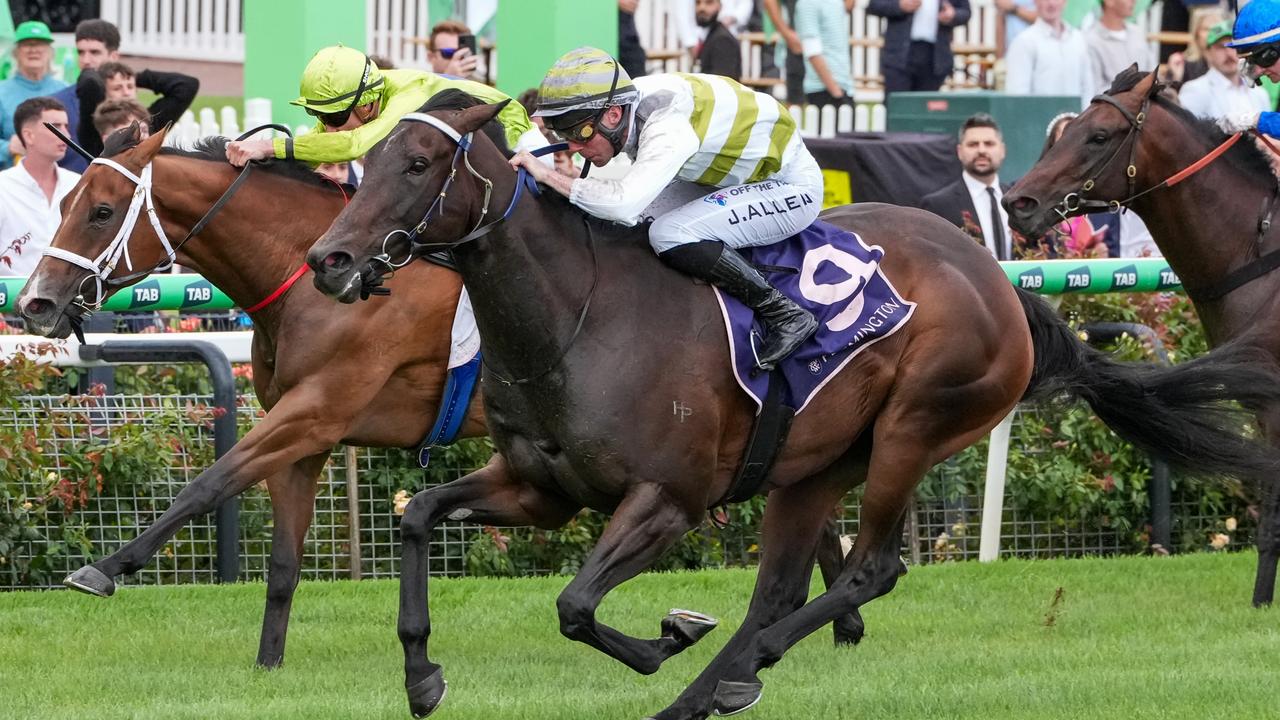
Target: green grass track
x,y
1131,638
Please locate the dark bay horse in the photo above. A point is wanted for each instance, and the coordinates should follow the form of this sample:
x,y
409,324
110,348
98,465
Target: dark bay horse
x,y
1212,225
369,375
589,340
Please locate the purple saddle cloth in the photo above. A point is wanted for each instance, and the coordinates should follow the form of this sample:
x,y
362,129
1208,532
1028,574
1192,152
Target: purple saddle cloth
x,y
832,273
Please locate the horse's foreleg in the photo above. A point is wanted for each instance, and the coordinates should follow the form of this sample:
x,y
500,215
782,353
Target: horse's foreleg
x,y
301,424
848,628
490,496
793,524
293,497
871,570
643,526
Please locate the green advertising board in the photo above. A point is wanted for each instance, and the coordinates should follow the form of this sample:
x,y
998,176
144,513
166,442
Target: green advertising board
x,y
1046,277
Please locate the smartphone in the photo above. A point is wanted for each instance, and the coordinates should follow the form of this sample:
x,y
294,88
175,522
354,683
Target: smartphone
x,y
468,42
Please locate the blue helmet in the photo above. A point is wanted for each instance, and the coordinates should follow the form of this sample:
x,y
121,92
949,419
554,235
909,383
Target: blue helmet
x,y
1257,24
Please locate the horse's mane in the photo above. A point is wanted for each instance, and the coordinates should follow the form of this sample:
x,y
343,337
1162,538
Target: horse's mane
x,y
214,148
455,99
1245,155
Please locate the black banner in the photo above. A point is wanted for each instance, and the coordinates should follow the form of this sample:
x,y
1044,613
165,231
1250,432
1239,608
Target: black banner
x,y
898,168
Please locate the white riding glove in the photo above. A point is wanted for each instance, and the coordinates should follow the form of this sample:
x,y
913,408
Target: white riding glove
x,y
1239,122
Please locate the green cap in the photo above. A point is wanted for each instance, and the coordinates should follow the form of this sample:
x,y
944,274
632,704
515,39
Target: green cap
x,y
1220,31
33,30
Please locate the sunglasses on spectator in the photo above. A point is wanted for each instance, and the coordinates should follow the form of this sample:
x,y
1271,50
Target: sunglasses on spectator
x,y
448,53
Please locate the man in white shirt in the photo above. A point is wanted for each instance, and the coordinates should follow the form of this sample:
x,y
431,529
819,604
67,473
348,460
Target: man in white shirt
x,y
31,190
1115,44
1050,57
972,203
1223,91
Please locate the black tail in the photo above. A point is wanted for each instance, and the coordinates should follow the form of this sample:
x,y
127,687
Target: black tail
x,y
1182,414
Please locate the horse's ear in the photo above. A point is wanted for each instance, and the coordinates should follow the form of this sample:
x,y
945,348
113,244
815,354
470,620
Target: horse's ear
x,y
1147,86
474,118
148,148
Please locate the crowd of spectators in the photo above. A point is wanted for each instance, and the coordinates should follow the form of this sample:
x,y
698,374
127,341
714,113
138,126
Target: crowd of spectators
x,y
38,168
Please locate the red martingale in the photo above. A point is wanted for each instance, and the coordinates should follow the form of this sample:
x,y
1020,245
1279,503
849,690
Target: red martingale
x,y
284,287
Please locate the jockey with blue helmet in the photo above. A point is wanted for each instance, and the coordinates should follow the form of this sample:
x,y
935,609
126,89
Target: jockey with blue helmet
x,y
1256,38
759,184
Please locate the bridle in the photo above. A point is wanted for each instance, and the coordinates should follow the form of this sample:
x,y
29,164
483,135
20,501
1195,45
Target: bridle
x,y
1075,203
417,249
101,267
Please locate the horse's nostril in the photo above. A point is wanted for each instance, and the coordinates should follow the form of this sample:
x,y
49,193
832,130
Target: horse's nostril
x,y
36,308
337,261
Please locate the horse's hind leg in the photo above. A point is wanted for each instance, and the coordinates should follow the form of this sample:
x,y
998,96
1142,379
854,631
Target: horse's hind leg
x,y
489,496
643,526
1268,539
793,523
898,462
848,629
293,497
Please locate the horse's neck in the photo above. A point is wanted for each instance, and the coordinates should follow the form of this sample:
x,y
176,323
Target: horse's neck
x,y
528,281
1208,224
246,250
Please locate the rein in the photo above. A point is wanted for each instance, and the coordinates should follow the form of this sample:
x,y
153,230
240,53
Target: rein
x,y
101,267
523,180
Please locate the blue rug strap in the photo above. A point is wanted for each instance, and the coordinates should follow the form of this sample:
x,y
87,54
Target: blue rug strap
x,y
459,389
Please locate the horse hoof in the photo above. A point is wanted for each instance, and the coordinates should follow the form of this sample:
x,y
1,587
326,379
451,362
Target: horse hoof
x,y
735,697
426,695
90,580
687,626
848,633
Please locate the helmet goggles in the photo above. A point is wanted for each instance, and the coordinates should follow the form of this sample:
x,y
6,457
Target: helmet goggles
x,y
1260,58
338,118
579,127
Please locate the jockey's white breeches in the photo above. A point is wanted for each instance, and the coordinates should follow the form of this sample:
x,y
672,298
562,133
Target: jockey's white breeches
x,y
757,213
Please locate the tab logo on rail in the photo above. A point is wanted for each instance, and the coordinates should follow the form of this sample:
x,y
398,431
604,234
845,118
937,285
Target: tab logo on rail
x,y
144,294
197,293
1124,278
1168,279
4,295
1079,279
1032,279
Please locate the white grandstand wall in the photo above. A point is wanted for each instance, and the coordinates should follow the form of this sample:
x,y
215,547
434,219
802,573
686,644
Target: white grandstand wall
x,y
212,30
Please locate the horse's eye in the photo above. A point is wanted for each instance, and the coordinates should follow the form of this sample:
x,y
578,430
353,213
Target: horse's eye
x,y
102,213
418,166
1098,138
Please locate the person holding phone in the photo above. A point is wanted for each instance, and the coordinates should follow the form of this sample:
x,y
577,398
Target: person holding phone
x,y
452,49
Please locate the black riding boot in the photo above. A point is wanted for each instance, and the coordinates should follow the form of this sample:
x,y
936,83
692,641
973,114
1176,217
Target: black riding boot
x,y
787,325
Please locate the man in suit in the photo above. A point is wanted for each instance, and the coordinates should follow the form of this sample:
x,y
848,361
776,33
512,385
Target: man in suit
x,y
917,41
973,201
718,52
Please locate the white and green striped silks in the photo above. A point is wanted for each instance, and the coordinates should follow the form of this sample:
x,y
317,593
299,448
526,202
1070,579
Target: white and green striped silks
x,y
742,134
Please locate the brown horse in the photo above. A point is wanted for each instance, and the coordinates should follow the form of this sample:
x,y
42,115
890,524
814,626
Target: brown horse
x,y
325,373
1212,228
588,341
